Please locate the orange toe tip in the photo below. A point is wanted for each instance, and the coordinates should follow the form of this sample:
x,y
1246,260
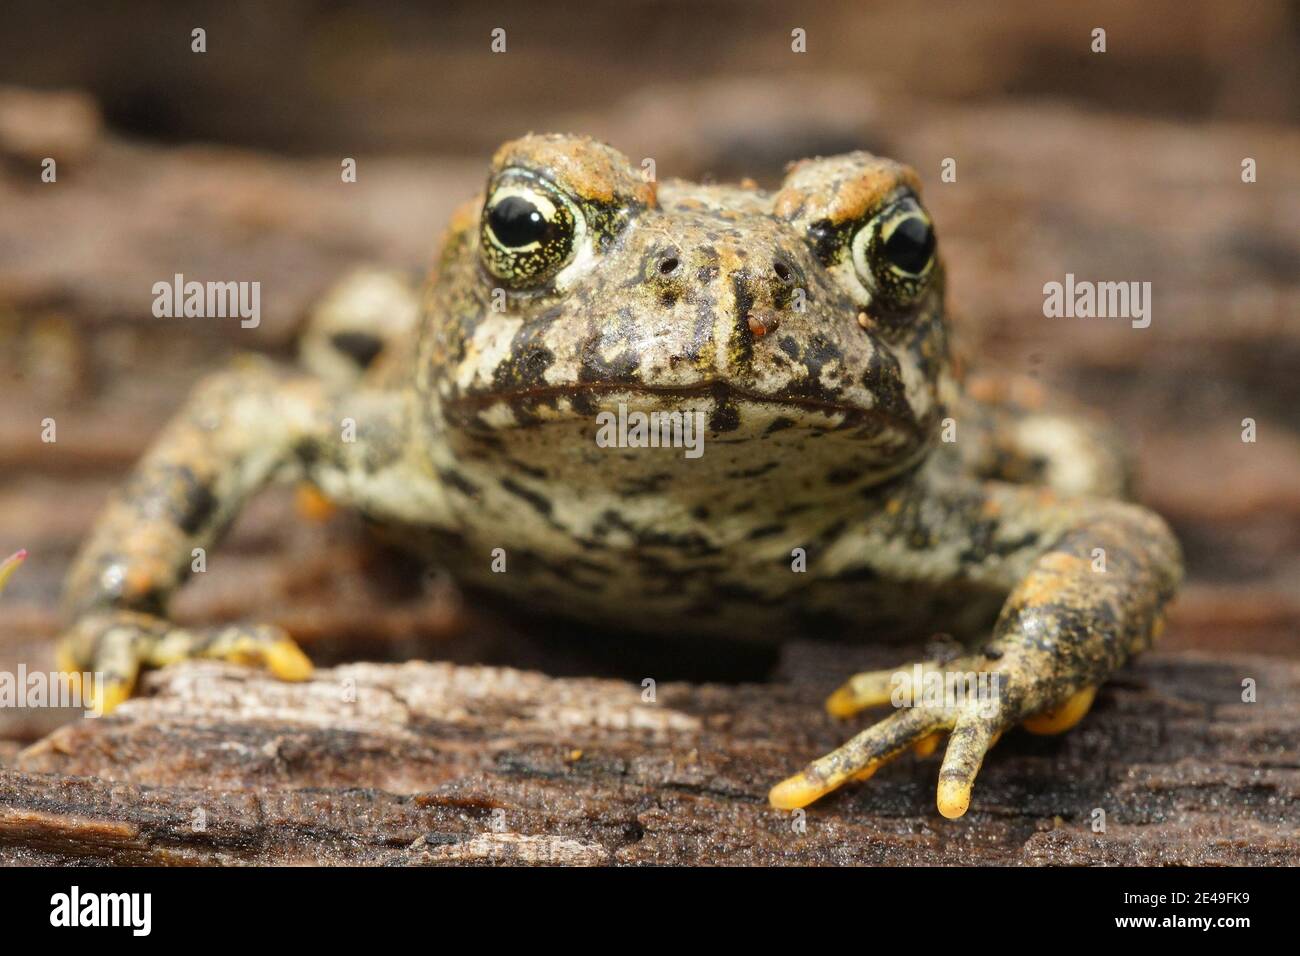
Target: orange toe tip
x,y
1060,719
953,798
842,703
286,661
107,698
797,791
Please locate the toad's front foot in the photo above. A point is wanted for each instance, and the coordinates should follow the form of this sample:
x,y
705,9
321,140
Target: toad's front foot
x,y
1087,602
966,698
113,646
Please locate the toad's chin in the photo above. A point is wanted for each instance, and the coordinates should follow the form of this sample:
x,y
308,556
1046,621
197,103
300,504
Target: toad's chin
x,y
726,411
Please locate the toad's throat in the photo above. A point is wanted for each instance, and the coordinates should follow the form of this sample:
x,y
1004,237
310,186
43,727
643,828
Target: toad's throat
x,y
590,397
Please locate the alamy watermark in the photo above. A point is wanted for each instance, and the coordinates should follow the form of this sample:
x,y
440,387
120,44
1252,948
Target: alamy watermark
x,y
1101,300
22,688
133,911
948,690
208,300
651,430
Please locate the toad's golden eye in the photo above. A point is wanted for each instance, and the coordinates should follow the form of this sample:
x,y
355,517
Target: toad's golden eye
x,y
893,252
529,230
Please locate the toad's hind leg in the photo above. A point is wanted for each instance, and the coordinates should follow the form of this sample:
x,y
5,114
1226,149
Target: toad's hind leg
x,y
357,330
1006,431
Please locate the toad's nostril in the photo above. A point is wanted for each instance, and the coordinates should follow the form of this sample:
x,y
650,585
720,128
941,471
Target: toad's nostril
x,y
782,270
668,265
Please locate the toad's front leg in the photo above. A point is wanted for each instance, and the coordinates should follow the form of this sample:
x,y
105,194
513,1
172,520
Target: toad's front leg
x,y
238,429
1088,582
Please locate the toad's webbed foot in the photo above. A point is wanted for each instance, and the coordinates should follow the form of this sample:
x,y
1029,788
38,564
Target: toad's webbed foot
x,y
113,647
962,699
1088,582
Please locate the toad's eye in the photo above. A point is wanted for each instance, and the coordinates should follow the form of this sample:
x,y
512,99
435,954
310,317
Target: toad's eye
x,y
529,231
894,252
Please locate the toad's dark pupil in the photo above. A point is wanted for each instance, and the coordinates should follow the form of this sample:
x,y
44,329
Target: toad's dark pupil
x,y
516,222
910,245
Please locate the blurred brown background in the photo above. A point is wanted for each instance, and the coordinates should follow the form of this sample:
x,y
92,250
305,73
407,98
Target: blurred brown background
x,y
225,165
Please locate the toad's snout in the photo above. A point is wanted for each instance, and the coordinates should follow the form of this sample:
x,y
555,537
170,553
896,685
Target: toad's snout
x,y
762,292
752,287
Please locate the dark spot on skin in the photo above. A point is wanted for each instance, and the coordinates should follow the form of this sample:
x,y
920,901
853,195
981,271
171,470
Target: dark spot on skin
x,y
738,592
1028,540
646,484
361,347
765,531
744,303
621,368
755,472
831,534
624,365
708,269
584,403
199,504
529,470
490,442
702,330
691,544
725,417
818,353
540,503
529,357
826,239
779,424
458,481
581,574
843,476
307,452
883,379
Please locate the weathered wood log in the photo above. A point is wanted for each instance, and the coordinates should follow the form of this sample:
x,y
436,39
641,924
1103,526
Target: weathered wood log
x,y
425,763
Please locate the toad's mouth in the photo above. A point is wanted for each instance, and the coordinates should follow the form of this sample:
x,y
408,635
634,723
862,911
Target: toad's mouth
x,y
588,398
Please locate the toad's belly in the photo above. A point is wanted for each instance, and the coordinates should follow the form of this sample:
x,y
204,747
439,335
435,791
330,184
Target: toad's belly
x,y
642,592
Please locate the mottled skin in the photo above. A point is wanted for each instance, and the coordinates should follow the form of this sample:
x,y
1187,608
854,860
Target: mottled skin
x,y
808,326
